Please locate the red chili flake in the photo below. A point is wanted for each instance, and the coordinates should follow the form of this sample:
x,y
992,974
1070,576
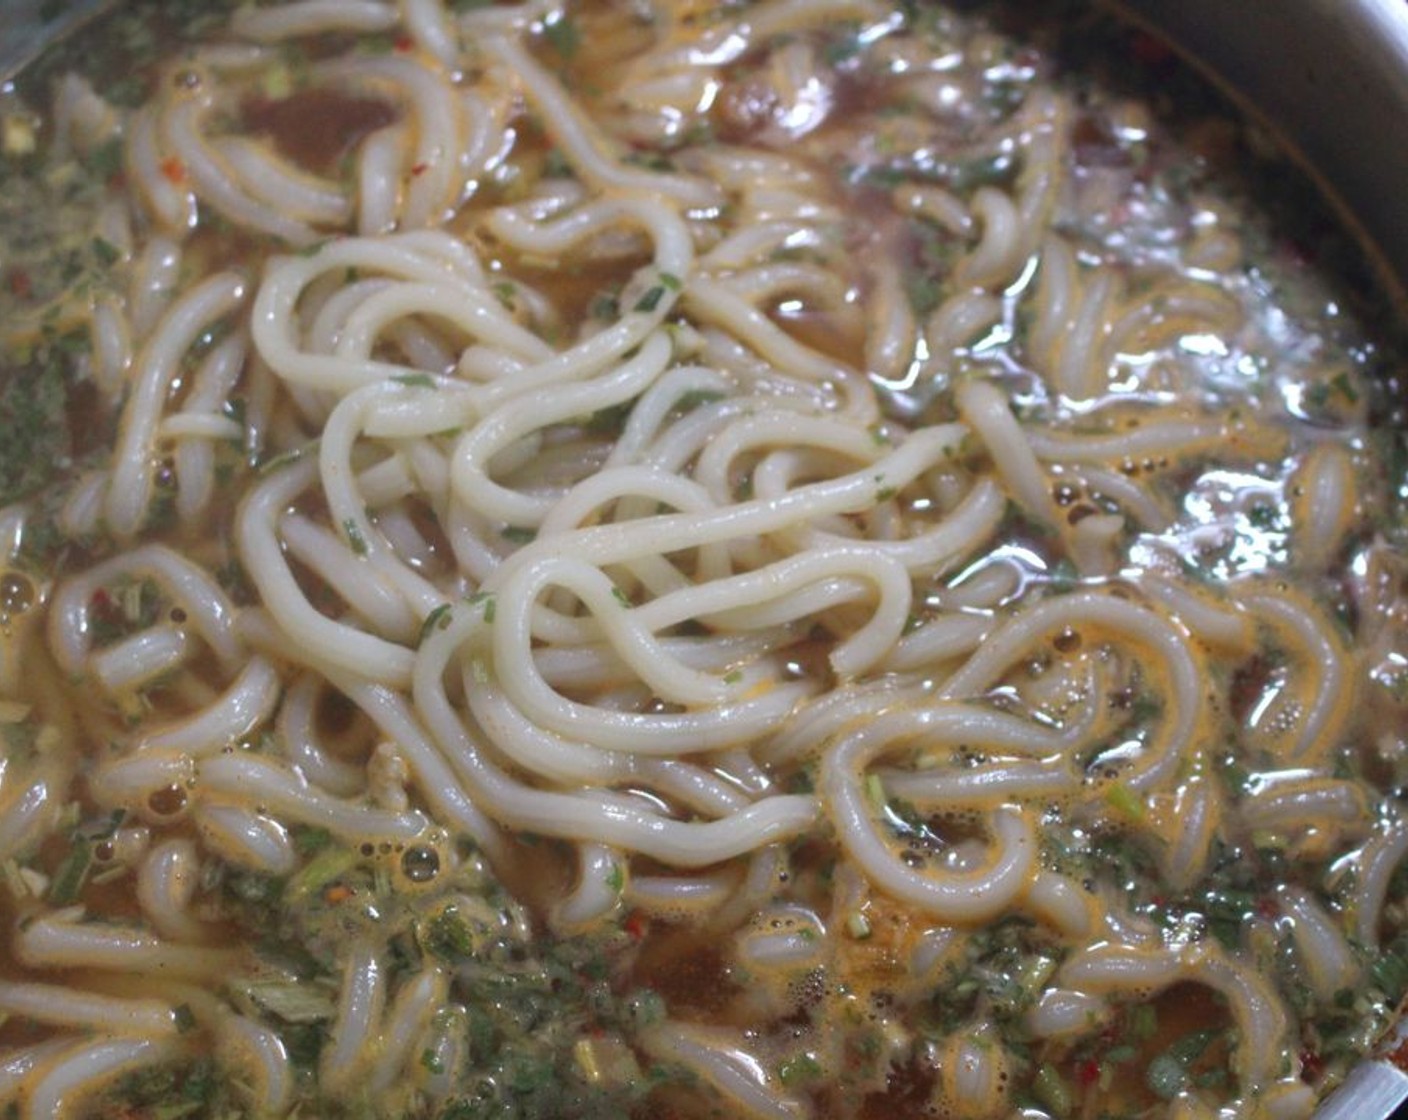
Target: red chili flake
x,y
1267,907
1088,1073
104,609
420,168
173,170
635,924
1312,1065
20,283
404,44
1398,1057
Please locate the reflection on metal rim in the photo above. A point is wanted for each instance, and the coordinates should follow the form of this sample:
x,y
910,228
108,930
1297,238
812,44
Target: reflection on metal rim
x,y
1332,76
1371,1091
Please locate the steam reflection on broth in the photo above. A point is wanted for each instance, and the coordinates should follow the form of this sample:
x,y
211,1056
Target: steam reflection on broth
x,y
660,559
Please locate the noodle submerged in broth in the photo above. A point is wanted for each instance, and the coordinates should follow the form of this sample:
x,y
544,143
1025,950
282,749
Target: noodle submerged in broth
x,y
666,559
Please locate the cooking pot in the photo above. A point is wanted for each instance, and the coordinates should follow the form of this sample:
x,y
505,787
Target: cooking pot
x,y
1330,76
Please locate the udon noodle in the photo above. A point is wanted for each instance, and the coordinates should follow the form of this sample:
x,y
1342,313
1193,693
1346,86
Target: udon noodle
x,y
778,559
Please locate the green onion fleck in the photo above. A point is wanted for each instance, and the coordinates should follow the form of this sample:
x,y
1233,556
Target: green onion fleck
x,y
1166,1077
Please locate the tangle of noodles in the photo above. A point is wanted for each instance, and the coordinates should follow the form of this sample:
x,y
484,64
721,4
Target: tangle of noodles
x,y
583,558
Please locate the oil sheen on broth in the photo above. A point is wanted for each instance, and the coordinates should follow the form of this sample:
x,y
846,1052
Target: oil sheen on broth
x,y
680,560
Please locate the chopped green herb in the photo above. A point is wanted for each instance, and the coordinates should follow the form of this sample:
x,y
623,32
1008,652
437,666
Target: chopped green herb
x,y
799,1069
994,170
556,165
293,1001
309,839
288,458
105,160
438,619
448,935
606,307
1143,1021
1192,1046
1166,1077
72,873
563,36
691,400
1124,801
1050,1090
105,251
355,537
326,867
